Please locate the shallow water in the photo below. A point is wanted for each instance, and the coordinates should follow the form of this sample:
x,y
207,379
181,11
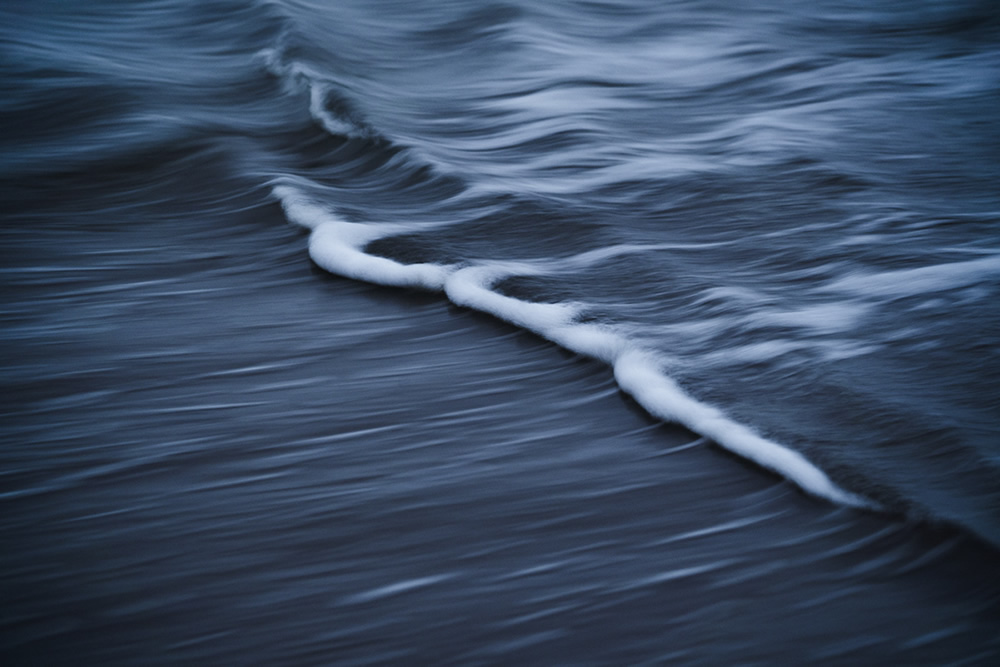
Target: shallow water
x,y
770,225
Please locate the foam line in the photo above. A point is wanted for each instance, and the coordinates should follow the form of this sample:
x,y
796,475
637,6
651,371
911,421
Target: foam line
x,y
338,247
638,374
471,288
330,251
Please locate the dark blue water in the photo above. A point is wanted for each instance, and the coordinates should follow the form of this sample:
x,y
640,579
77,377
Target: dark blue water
x,y
625,332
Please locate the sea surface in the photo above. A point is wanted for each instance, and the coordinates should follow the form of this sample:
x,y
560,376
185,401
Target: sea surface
x,y
472,332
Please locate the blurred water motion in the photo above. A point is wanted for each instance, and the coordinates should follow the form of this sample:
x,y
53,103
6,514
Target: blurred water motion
x,y
215,451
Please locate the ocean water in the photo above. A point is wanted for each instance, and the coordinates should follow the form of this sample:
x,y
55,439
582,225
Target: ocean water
x,y
480,332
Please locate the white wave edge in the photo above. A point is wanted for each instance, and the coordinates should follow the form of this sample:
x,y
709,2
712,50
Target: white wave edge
x,y
296,75
337,246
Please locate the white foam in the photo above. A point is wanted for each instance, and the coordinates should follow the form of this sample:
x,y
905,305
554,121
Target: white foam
x,y
767,350
331,123
330,246
470,287
592,340
296,75
824,318
923,280
305,213
338,246
638,374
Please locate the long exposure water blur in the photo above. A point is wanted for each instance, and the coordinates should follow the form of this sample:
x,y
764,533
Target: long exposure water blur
x,y
631,332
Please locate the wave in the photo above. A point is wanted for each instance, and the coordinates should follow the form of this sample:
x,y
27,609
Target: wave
x,y
338,246
901,283
332,111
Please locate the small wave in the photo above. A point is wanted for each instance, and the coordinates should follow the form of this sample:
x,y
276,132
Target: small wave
x,y
331,111
339,246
